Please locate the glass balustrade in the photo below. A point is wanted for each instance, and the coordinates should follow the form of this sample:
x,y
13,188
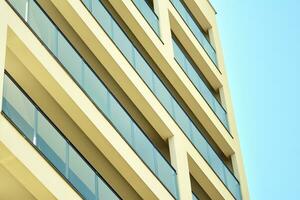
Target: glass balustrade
x,y
118,36
148,14
188,18
50,142
194,197
189,69
95,89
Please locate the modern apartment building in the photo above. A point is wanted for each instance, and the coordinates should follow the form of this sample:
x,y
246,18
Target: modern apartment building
x,y
115,99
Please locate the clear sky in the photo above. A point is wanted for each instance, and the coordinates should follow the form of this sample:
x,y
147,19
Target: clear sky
x,y
261,44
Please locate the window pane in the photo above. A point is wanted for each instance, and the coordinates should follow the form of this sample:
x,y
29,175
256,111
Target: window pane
x,y
51,143
123,43
200,143
217,164
96,90
179,56
81,175
70,59
166,173
105,192
182,119
102,16
42,26
164,96
18,108
120,119
144,148
143,69
233,185
20,6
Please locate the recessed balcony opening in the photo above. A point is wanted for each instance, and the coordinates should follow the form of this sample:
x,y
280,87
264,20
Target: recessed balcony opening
x,y
197,190
192,71
91,156
194,26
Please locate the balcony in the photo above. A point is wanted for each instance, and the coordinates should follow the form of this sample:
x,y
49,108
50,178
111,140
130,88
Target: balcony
x,y
83,75
144,70
148,14
184,62
195,28
40,132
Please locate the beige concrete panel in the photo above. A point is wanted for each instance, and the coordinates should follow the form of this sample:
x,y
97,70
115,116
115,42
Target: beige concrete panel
x,y
59,85
23,162
161,8
180,161
8,184
238,164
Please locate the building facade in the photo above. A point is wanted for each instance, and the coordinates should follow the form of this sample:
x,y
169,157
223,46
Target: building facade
x,y
115,99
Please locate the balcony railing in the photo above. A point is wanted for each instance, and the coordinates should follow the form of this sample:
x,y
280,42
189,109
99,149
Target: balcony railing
x,y
194,197
94,88
148,14
189,69
143,69
190,21
52,144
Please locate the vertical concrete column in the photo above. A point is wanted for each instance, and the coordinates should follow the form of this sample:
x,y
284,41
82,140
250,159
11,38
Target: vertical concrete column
x,y
215,41
180,161
162,10
3,39
237,160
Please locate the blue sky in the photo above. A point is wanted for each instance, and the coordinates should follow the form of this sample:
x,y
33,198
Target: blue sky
x,y
261,44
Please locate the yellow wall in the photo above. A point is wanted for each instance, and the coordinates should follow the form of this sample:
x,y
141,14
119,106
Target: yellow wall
x,y
22,55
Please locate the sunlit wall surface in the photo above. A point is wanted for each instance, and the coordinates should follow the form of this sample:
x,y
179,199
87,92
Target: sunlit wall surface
x,y
116,112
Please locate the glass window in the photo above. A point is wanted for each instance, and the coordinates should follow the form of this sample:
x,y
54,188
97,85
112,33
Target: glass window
x,y
143,69
105,192
168,176
51,143
200,143
19,108
42,27
182,119
102,16
70,59
163,95
144,148
232,184
96,90
20,6
81,175
123,43
217,165
121,120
